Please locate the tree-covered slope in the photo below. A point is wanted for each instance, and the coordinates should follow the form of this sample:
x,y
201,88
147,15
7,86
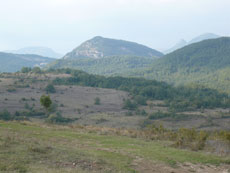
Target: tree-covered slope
x,y
100,47
13,62
206,63
114,65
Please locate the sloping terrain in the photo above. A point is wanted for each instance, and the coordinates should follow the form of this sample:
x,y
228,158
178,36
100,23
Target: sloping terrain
x,y
14,62
206,63
113,65
106,56
29,147
99,47
21,92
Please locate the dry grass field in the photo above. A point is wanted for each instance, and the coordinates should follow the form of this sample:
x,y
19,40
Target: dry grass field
x,y
18,91
34,147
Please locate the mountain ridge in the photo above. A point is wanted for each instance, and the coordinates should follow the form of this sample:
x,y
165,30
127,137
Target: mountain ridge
x,y
41,51
100,47
182,43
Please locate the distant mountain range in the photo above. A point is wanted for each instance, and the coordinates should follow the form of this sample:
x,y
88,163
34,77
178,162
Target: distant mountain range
x,y
204,62
42,51
100,47
197,39
14,62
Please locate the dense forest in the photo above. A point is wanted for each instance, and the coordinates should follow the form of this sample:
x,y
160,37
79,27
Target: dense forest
x,y
205,63
113,65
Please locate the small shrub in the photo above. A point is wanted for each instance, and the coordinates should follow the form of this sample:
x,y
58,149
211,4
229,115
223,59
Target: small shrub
x,y
6,115
53,107
33,99
28,107
23,99
58,118
11,90
26,70
141,112
128,104
37,70
50,89
79,111
129,113
97,101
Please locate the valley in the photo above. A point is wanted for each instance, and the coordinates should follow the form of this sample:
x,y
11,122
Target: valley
x,y
124,121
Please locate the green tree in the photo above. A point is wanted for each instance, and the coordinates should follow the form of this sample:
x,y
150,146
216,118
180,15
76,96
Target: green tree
x,y
25,69
45,102
36,70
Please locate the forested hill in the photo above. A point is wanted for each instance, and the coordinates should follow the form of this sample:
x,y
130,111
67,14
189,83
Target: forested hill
x,y
110,66
100,47
14,62
206,63
210,54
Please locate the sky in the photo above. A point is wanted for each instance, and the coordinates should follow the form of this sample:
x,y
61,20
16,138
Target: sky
x,y
64,24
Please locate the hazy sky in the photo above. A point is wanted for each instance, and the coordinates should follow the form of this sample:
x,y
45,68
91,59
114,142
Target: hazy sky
x,y
64,24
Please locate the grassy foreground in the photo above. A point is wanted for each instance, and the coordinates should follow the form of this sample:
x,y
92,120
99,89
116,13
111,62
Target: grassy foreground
x,y
29,147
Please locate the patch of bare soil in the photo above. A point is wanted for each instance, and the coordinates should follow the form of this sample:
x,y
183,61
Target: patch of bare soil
x,y
82,164
144,166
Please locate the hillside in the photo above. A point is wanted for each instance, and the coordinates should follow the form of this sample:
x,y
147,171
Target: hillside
x,y
14,62
206,63
107,57
113,65
100,47
123,102
29,147
110,124
178,45
41,51
183,43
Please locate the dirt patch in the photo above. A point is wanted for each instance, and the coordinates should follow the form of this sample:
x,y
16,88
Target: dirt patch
x,y
82,164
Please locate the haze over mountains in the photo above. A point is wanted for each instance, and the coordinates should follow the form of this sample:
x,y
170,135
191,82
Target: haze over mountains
x,y
183,43
42,51
14,62
204,62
